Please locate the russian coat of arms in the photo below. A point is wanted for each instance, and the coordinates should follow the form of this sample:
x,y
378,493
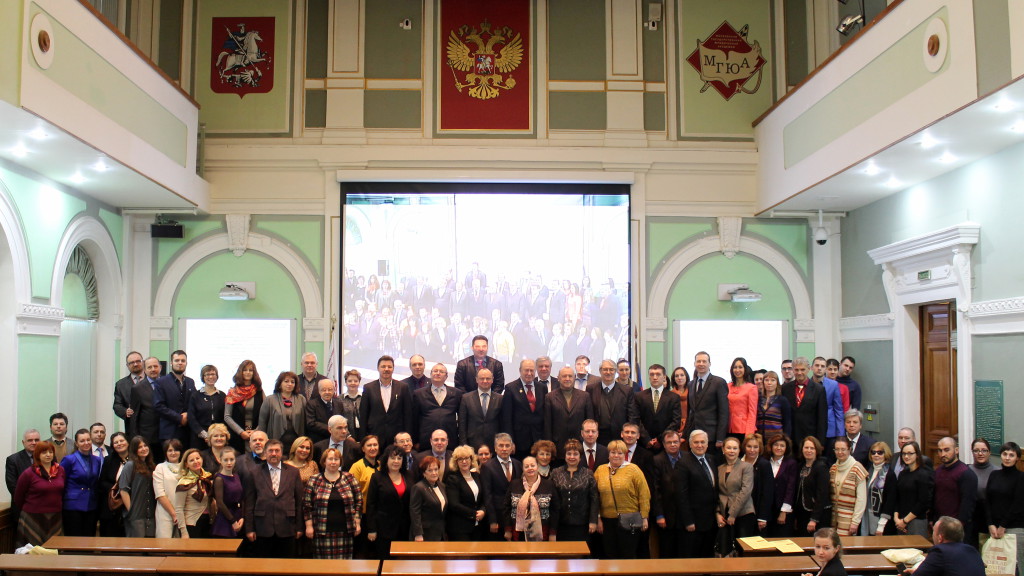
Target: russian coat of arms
x,y
726,61
242,55
486,67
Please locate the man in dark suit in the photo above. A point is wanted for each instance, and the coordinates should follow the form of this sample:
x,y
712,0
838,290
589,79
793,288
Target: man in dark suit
x,y
339,440
669,495
522,408
614,404
950,556
584,379
386,408
697,516
254,458
170,399
860,442
145,421
319,408
496,475
593,454
19,462
657,417
708,403
807,400
438,449
465,370
123,388
566,409
478,425
436,406
309,378
418,379
273,506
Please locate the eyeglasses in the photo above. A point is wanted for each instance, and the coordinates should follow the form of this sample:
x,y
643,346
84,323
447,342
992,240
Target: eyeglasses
x,y
909,453
980,451
878,452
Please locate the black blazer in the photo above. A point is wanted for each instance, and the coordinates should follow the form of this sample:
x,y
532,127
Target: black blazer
x,y
144,422
709,410
317,415
350,452
268,514
428,416
385,424
613,410
492,476
465,374
834,567
764,490
670,492
123,398
475,427
811,417
16,464
813,492
237,413
108,477
667,417
562,422
419,456
426,516
170,404
861,452
463,505
699,509
600,456
526,427
785,486
387,514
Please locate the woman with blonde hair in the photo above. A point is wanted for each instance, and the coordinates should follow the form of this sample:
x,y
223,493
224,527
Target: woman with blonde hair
x,y
192,496
300,456
625,503
217,437
466,496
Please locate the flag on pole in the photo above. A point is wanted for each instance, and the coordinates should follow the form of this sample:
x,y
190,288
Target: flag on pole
x,y
332,355
637,371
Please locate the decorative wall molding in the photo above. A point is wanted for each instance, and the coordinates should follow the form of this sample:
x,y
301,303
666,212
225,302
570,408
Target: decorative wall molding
x,y
315,329
160,327
39,319
1004,316
866,328
10,227
238,232
729,230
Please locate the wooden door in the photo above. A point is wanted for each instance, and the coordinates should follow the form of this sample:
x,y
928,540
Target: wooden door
x,y
938,375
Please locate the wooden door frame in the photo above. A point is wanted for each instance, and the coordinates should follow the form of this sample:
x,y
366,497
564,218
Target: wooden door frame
x,y
945,255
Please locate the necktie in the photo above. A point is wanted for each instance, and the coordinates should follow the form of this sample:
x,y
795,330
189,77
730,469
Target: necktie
x,y
439,395
483,402
700,385
800,395
531,398
629,455
591,463
275,479
657,397
408,462
336,446
508,470
707,469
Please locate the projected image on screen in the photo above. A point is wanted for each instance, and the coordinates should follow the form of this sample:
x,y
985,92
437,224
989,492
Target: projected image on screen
x,y
538,274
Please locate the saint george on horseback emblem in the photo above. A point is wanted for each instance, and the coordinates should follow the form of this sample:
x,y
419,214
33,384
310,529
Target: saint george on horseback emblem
x,y
493,54
242,55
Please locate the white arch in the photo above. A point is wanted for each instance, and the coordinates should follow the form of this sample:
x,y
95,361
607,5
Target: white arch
x,y
791,276
90,233
10,222
305,279
21,284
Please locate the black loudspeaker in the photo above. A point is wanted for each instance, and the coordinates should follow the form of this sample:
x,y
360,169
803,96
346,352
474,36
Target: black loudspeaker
x,y
382,267
167,231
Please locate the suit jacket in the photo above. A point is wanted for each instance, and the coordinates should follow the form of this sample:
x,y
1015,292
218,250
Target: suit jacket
x,y
952,559
350,451
475,427
810,418
702,504
428,415
123,397
426,516
670,492
16,464
385,424
861,452
562,421
526,427
273,420
492,476
268,514
600,456
465,374
709,410
785,486
170,403
612,410
736,490
419,456
387,514
145,422
317,415
463,504
667,417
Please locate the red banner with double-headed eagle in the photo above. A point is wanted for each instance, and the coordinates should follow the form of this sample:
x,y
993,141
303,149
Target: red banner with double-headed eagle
x,y
485,70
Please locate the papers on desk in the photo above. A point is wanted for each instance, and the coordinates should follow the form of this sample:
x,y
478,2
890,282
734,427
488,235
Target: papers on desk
x,y
759,543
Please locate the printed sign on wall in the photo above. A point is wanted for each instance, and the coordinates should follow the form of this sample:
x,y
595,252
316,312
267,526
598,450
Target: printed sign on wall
x,y
727,62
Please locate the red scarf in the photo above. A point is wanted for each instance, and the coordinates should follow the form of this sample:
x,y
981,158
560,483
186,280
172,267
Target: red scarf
x,y
240,393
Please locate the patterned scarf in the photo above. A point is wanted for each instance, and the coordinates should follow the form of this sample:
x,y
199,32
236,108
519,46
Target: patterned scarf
x,y
202,481
239,393
528,513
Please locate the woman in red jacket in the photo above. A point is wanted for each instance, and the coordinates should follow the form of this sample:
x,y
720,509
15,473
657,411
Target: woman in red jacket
x,y
40,496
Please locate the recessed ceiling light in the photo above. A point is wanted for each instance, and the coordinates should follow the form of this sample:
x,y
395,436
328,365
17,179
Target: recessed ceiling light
x,y
100,166
1018,126
1003,105
19,150
892,182
871,169
927,141
77,178
38,134
947,158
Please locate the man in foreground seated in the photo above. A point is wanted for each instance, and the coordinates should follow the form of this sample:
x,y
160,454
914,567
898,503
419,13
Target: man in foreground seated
x,y
950,556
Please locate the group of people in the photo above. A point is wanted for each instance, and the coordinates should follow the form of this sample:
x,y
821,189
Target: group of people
x,y
697,459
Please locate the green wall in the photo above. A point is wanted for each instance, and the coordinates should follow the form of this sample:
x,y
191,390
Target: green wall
x,y
392,52
874,373
37,363
989,363
576,40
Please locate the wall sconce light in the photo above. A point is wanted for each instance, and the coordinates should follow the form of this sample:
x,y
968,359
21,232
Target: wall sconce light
x,y
737,293
238,291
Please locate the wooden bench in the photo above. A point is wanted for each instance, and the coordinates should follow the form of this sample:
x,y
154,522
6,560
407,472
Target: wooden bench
x,y
268,566
870,564
144,546
784,566
487,550
29,563
851,544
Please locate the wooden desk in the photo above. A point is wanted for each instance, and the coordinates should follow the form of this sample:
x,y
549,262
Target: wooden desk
x,y
785,566
268,566
851,544
487,550
145,546
28,563
487,567
870,564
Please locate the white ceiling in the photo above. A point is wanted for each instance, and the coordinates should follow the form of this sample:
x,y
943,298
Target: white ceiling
x,y
980,129
30,141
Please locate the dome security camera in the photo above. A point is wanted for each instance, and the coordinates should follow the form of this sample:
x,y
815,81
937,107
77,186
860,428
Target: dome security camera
x,y
821,236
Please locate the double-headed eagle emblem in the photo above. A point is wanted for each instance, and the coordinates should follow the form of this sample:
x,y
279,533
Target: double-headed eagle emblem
x,y
483,67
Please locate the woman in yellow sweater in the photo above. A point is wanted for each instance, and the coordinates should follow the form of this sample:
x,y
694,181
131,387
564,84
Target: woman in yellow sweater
x,y
625,503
